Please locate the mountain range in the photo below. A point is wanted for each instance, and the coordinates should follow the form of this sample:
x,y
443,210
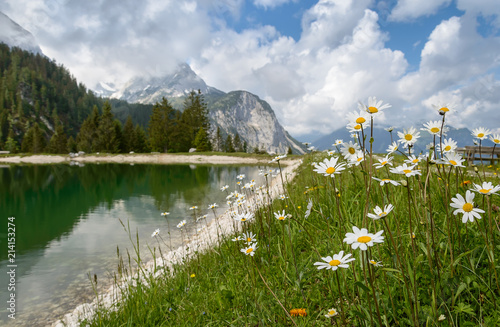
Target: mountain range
x,y
14,35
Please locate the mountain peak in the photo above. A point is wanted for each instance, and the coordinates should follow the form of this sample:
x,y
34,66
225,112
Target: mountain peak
x,y
12,34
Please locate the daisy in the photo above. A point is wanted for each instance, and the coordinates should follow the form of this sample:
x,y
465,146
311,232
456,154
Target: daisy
x,y
409,136
237,238
333,263
156,232
392,148
441,108
241,177
250,249
332,313
486,188
331,152
356,159
495,138
481,133
355,127
374,106
389,129
193,208
379,213
413,160
434,128
329,167
349,149
181,224
283,196
384,181
249,237
202,217
243,216
338,142
453,159
466,206
225,187
362,239
383,162
165,213
405,170
212,206
375,263
449,145
360,117
280,215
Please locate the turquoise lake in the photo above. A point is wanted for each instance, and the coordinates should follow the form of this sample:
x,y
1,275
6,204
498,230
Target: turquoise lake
x,y
67,225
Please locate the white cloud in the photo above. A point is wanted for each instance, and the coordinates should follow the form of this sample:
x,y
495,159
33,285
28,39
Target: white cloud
x,y
411,9
270,3
486,8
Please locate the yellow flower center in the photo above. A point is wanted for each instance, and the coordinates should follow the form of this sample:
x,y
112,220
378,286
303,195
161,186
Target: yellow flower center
x,y
373,262
364,239
407,171
281,218
434,130
467,207
359,159
243,219
383,163
444,109
249,250
484,191
408,137
330,170
382,214
447,148
332,312
334,263
360,120
249,239
372,110
386,180
480,135
415,160
352,150
453,162
357,126
496,141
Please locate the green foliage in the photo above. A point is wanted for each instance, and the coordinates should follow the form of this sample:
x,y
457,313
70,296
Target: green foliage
x,y
161,126
59,141
195,115
202,142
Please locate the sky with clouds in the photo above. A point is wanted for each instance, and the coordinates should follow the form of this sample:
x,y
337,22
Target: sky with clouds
x,y
311,60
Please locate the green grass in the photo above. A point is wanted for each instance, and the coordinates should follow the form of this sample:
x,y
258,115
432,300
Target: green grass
x,y
433,265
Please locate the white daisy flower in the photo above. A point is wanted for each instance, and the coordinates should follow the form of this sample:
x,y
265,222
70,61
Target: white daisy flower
x,y
338,142
250,249
243,216
333,263
332,313
362,239
376,263
360,117
453,159
374,106
329,167
383,162
223,188
165,213
181,224
156,232
241,177
389,129
449,145
495,138
434,128
393,147
349,149
384,181
442,109
193,208
379,213
237,238
413,160
280,215
486,188
356,159
212,206
466,206
409,136
355,127
481,133
405,170
249,237
201,217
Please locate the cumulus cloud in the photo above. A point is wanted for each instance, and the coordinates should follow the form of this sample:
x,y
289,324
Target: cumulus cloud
x,y
411,9
270,3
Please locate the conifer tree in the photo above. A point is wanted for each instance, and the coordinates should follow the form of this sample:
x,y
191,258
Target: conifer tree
x,y
219,141
33,141
11,143
201,141
129,135
195,114
58,142
237,143
71,145
229,144
140,143
86,139
106,133
160,125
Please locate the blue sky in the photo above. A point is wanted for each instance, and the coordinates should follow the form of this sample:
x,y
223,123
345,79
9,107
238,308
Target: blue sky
x,y
311,60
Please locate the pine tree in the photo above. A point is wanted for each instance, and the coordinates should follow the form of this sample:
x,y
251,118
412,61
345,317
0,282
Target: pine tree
x,y
71,145
195,114
33,141
160,125
59,141
237,143
86,139
11,143
106,133
129,135
219,141
229,144
140,143
201,141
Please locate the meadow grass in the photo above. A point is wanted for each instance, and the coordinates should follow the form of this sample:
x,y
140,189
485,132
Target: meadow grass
x,y
430,270
417,261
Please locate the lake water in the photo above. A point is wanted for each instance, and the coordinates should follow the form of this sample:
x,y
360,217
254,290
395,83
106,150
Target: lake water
x,y
67,225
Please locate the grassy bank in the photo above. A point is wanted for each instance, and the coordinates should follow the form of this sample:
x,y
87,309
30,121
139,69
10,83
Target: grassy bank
x,y
422,265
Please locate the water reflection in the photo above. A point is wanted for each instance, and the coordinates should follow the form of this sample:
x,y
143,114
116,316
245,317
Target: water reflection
x,y
67,223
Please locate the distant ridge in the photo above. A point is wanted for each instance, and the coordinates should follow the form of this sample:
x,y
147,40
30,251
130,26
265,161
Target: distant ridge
x,y
14,35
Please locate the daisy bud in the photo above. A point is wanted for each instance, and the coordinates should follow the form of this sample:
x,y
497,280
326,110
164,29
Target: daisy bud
x,y
404,182
476,170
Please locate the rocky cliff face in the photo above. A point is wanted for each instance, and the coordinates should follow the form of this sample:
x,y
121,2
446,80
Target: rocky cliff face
x,y
243,113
